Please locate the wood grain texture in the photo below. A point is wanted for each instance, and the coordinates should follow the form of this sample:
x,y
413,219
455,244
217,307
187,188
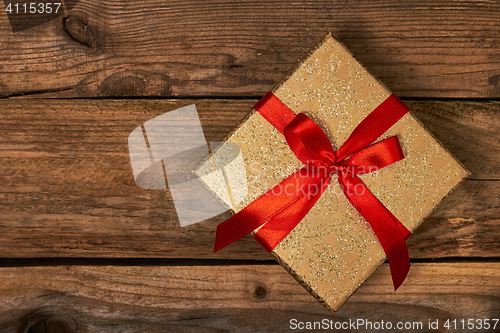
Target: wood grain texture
x,y
68,189
251,298
242,48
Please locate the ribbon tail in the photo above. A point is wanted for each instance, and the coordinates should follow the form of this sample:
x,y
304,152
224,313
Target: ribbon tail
x,y
375,157
273,232
286,196
402,229
389,230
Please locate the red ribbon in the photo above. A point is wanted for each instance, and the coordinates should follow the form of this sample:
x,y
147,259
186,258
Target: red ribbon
x,y
281,208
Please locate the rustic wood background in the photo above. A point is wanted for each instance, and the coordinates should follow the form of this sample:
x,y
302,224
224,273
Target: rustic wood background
x,y
83,249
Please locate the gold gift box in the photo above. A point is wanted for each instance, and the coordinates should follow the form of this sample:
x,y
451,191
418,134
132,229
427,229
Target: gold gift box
x,y
333,249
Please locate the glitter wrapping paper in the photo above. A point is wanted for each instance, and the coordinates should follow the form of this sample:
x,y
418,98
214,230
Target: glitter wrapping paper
x,y
333,249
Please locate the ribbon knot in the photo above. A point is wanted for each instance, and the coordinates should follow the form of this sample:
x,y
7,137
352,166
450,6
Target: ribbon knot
x,y
335,169
279,210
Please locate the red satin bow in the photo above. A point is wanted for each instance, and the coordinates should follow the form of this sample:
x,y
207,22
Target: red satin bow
x,y
281,208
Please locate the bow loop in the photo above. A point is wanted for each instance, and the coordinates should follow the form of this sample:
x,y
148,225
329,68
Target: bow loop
x,y
369,129
308,142
374,157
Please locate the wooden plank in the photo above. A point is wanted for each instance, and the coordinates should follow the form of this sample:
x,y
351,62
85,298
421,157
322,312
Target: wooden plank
x,y
253,298
467,130
68,190
191,48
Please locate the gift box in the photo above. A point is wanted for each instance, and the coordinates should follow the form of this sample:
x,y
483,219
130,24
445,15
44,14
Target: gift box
x,y
333,248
